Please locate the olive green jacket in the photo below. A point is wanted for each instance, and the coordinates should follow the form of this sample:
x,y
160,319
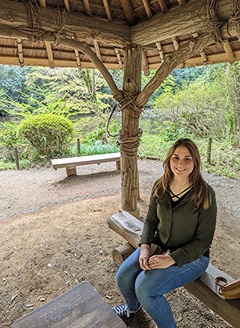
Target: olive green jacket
x,y
186,230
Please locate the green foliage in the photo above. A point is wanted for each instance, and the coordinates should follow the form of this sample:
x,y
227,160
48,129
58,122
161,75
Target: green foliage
x,y
8,140
225,159
197,108
50,134
96,147
8,136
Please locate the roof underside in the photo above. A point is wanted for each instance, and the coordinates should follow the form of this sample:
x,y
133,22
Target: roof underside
x,y
108,27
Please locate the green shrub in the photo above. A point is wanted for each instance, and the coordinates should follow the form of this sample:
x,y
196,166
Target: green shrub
x,y
50,134
8,139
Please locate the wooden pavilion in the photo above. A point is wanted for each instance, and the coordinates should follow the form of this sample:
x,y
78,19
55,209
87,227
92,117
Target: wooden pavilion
x,y
131,35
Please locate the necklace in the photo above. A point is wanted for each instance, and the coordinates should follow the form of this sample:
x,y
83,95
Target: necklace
x,y
172,195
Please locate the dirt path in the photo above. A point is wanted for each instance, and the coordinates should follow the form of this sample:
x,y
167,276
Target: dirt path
x,y
54,234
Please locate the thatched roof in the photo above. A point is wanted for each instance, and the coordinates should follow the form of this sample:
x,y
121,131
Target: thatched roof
x,y
30,31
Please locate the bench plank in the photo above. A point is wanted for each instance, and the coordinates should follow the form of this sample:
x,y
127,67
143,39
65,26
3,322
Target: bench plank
x,y
204,288
80,307
70,163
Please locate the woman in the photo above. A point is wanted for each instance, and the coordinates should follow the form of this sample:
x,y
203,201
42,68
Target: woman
x,y
181,220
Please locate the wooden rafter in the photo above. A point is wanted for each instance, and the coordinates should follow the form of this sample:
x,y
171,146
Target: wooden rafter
x,y
119,58
163,6
176,58
145,65
87,7
147,8
181,2
48,46
228,49
175,43
160,51
42,3
128,11
77,55
107,9
176,46
97,49
67,5
78,58
202,52
158,28
20,52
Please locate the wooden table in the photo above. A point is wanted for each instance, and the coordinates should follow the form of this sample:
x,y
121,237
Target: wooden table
x,y
79,307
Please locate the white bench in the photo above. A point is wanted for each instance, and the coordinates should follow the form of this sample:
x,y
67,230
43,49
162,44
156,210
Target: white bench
x,y
71,163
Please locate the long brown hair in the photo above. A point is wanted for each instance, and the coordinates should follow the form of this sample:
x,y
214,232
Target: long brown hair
x,y
200,189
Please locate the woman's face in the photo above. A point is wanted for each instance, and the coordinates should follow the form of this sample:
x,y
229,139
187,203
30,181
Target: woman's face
x,y
181,162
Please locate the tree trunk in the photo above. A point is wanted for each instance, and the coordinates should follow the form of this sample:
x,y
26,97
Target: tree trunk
x,y
130,133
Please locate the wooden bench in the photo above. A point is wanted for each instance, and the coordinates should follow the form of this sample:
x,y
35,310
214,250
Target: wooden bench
x,y
71,163
204,288
80,307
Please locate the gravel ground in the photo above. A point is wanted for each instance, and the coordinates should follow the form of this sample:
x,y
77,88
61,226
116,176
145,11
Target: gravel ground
x,y
29,190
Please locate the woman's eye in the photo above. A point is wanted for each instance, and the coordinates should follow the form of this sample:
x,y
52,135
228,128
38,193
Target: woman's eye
x,y
187,160
175,159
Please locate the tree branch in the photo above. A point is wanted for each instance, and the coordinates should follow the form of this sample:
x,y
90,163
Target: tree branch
x,y
177,57
83,47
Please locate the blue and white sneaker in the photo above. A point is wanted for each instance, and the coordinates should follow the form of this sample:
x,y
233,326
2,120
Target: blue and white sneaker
x,y
123,312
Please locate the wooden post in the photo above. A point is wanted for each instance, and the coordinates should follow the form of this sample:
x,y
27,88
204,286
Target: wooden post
x,y
78,147
209,150
130,131
120,253
16,158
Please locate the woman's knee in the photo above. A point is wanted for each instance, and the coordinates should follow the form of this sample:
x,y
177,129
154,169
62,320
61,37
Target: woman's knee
x,y
143,289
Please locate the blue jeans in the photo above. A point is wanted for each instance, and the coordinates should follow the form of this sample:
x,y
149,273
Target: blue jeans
x,y
147,288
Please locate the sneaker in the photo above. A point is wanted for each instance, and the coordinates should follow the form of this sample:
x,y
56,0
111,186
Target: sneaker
x,y
123,312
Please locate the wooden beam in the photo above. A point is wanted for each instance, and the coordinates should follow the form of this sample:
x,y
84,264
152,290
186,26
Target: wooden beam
x,y
67,5
15,14
147,8
78,58
96,46
204,56
120,253
163,6
83,47
172,61
175,43
159,48
229,52
145,66
42,3
181,2
176,46
202,53
128,11
191,62
48,44
119,58
87,7
107,9
184,20
49,54
58,62
198,61
20,52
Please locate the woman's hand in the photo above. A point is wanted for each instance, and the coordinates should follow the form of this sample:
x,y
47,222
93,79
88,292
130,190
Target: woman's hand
x,y
160,261
144,257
